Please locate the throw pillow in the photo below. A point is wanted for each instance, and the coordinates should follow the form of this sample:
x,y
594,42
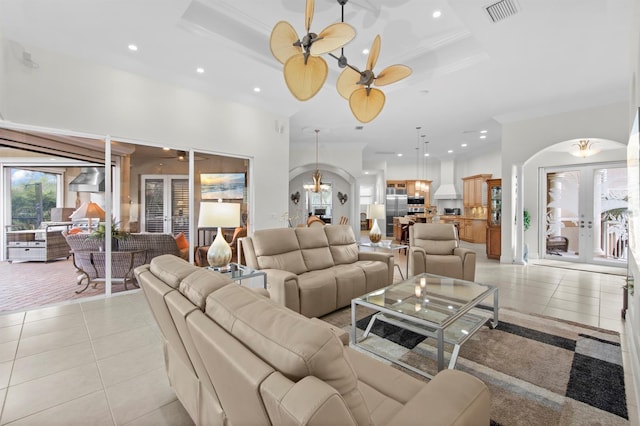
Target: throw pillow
x,y
74,231
181,240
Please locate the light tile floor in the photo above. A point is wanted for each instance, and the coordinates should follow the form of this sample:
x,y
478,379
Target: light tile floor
x,y
100,361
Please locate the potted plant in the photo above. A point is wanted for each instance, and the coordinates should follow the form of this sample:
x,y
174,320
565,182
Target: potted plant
x,y
117,234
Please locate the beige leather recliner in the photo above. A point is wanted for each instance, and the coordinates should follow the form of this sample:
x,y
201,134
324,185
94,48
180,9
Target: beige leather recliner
x,y
235,356
434,248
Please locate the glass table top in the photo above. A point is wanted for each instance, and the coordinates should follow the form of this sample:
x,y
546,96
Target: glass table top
x,y
432,298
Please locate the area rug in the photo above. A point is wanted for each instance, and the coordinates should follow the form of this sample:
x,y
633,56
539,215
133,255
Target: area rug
x,y
540,371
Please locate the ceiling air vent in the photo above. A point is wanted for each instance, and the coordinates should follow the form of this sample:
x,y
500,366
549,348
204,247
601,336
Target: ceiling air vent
x,y
501,10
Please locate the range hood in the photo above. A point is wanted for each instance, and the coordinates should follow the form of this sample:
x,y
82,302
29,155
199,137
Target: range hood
x,y
447,189
90,179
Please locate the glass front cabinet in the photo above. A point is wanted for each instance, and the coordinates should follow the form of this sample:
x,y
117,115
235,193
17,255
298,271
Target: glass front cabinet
x,y
494,217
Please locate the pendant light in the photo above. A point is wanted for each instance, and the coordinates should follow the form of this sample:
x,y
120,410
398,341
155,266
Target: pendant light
x,y
418,185
317,184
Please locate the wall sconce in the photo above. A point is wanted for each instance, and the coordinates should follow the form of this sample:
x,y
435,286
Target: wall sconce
x,y
295,197
342,198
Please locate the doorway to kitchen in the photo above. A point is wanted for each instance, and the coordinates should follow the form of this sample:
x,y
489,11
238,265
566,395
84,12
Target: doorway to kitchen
x,y
586,214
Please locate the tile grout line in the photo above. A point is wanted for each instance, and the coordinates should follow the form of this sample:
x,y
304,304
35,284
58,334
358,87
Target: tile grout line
x,y
13,363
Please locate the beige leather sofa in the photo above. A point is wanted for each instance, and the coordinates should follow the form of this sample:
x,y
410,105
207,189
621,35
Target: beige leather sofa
x,y
234,356
434,249
316,270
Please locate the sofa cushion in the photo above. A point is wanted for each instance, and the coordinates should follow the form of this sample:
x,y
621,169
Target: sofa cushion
x,y
278,249
342,241
171,269
291,343
315,248
318,293
198,285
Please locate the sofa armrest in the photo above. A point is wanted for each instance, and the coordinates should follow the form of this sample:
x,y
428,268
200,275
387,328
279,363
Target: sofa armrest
x,y
340,333
310,401
283,288
379,256
417,260
468,262
452,397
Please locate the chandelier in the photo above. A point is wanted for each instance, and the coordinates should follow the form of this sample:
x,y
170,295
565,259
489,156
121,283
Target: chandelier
x,y
317,185
585,149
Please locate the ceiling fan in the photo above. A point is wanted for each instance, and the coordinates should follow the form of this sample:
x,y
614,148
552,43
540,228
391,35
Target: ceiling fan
x,y
365,101
304,70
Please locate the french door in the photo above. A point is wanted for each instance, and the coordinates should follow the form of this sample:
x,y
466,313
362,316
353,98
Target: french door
x,y
165,204
586,216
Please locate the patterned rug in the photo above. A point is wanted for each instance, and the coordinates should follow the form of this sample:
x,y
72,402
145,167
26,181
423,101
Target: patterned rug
x,y
540,371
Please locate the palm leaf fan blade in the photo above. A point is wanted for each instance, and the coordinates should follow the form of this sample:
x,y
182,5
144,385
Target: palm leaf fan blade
x,y
308,14
348,82
333,37
366,104
281,42
305,80
374,52
392,74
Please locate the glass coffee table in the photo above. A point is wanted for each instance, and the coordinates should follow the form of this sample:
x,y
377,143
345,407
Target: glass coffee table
x,y
445,309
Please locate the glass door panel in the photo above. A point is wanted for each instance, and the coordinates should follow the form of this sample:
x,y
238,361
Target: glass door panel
x,y
586,215
562,214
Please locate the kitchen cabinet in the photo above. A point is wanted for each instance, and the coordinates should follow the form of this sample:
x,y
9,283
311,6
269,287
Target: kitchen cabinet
x,y
420,187
494,218
474,190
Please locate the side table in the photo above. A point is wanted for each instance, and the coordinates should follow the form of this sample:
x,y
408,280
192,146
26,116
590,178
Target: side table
x,y
238,272
392,248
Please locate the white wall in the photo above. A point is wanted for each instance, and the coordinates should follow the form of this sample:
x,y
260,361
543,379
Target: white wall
x,y
68,93
523,139
3,82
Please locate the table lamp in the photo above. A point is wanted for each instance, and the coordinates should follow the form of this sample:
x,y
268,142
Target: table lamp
x,y
88,210
376,211
219,215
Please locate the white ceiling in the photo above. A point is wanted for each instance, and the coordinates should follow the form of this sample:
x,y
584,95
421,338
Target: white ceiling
x,y
469,74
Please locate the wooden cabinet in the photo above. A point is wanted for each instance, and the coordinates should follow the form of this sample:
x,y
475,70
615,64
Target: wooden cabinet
x,y
494,218
421,187
474,190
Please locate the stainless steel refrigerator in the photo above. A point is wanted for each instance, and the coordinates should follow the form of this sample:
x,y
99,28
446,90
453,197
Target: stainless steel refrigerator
x,y
396,206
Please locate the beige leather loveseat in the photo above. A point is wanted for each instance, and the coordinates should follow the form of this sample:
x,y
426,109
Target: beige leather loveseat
x,y
316,270
234,356
434,248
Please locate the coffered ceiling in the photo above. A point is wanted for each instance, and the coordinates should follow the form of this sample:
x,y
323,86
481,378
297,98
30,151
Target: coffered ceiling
x,y
469,73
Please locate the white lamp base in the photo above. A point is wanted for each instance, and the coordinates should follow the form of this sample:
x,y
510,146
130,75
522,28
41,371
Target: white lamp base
x,y
375,235
219,253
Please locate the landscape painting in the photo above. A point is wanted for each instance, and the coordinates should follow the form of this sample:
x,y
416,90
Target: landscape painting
x,y
222,185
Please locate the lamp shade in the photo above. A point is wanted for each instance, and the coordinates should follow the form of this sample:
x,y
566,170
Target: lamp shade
x,y
224,215
376,211
88,209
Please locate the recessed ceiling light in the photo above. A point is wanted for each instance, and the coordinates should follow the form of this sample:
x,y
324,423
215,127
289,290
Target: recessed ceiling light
x,y
483,131
365,51
426,154
483,137
436,14
200,70
133,47
366,172
464,145
450,151
256,89
400,155
166,149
